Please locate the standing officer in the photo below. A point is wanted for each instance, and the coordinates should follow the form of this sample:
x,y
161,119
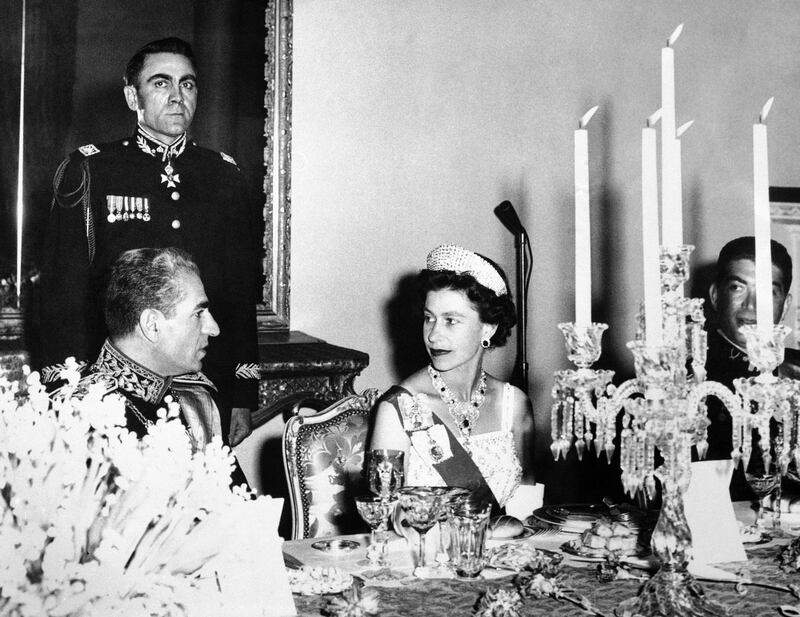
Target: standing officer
x,y
156,188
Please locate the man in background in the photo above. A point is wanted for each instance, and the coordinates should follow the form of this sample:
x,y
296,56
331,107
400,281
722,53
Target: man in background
x,y
733,299
155,188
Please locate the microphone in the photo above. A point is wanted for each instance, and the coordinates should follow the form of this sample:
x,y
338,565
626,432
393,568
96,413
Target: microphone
x,y
508,216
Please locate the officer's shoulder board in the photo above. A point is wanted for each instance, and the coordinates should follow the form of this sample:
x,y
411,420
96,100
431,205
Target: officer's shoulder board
x,y
89,151
103,383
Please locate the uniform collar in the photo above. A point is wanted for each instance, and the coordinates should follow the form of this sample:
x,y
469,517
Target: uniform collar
x,y
131,376
150,144
736,351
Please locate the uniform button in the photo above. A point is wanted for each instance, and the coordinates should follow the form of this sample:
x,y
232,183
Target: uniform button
x,y
125,143
176,224
175,195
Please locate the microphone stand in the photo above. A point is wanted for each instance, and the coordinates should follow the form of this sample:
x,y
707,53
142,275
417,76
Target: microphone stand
x,y
508,216
519,377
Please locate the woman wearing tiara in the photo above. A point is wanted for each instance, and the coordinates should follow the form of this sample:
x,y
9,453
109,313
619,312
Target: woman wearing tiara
x,y
458,425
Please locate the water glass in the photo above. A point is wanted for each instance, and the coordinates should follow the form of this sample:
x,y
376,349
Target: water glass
x,y
468,523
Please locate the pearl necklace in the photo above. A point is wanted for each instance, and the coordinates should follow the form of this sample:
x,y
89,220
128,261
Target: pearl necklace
x,y
464,413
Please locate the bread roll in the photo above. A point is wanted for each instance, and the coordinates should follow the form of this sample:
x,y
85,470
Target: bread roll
x,y
504,527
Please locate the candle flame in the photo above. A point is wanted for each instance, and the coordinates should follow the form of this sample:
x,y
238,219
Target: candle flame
x,y
587,116
683,128
654,117
765,110
674,36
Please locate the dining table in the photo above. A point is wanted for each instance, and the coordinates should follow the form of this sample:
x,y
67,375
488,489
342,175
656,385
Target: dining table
x,y
757,587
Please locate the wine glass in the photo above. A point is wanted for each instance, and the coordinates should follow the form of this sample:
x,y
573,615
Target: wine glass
x,y
385,472
375,510
422,506
763,475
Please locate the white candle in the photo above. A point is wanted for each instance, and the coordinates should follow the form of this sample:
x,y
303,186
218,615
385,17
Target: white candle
x,y
20,158
762,223
652,268
583,235
671,207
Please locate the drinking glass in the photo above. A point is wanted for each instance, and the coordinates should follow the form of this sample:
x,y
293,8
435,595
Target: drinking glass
x,y
422,506
385,472
468,522
375,511
763,475
453,495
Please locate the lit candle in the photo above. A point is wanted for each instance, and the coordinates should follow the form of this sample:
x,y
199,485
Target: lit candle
x,y
762,223
671,207
652,267
583,236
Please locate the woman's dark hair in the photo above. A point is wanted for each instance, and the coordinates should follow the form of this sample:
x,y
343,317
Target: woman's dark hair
x,y
492,309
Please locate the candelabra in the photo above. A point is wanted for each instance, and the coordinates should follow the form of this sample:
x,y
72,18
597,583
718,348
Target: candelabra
x,y
664,409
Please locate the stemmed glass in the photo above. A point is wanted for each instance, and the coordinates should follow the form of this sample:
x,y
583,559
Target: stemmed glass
x,y
375,510
763,475
385,474
422,506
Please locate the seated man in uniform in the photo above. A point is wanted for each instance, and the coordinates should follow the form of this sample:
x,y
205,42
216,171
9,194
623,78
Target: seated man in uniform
x,y
159,326
733,299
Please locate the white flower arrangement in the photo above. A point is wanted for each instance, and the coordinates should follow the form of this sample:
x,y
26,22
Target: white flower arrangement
x,y
94,522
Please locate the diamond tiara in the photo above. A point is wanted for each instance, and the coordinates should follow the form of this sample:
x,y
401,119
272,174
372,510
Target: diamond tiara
x,y
456,259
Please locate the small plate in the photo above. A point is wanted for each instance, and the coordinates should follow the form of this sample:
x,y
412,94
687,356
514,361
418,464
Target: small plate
x,y
336,546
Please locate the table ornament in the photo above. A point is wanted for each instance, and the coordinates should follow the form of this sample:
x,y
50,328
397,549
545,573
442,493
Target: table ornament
x,y
789,557
95,522
310,580
357,601
500,603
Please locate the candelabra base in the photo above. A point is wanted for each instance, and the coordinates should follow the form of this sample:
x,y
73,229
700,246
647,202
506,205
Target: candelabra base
x,y
671,593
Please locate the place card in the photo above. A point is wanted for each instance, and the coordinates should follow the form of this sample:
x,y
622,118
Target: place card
x,y
709,511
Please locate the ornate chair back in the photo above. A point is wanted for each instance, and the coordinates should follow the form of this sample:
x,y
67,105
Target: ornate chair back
x,y
323,457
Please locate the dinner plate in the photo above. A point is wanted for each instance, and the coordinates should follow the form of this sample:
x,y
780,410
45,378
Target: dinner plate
x,y
576,518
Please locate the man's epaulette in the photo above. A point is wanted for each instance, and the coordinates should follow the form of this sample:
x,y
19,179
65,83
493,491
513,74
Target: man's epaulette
x,y
89,151
215,157
228,159
194,378
106,382
52,372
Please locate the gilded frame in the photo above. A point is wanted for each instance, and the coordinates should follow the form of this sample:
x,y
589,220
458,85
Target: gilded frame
x,y
273,310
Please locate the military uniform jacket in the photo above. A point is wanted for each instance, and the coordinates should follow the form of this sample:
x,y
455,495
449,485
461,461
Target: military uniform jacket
x,y
138,193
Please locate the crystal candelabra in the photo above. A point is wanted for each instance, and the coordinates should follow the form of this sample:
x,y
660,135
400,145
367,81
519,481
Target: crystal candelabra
x,y
664,409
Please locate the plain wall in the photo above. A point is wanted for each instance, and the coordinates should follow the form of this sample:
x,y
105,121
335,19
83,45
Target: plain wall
x,y
412,120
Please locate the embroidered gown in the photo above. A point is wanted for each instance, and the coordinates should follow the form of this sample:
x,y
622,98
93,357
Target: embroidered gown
x,y
494,453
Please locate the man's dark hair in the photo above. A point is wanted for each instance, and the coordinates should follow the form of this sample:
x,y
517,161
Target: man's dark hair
x,y
140,279
171,45
745,248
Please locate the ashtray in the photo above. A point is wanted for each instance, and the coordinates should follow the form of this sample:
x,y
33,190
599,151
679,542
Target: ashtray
x,y
336,546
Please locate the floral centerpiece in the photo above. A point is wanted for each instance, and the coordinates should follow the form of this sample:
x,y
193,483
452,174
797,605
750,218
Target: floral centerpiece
x,y
94,522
